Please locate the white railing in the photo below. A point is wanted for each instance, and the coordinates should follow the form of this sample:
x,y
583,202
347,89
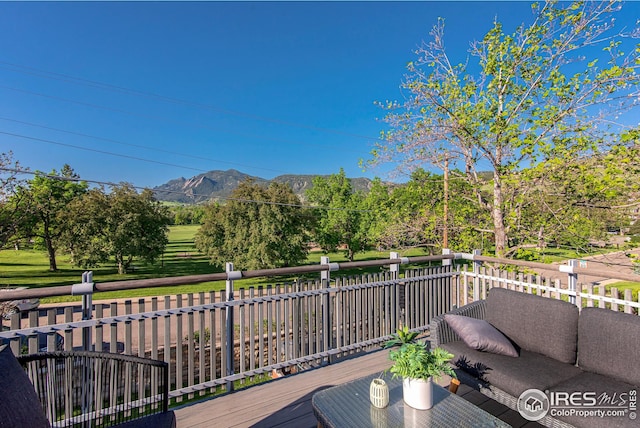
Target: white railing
x,y
214,339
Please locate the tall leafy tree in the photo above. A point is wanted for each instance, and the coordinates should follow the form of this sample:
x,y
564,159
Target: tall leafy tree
x,y
550,90
571,203
13,209
340,216
49,196
257,228
416,215
122,225
377,213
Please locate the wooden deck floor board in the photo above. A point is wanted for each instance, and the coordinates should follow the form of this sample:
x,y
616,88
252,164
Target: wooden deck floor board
x,y
286,402
282,402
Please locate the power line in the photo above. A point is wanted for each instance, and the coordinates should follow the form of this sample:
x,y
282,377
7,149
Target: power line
x,y
136,145
108,183
42,140
121,89
163,119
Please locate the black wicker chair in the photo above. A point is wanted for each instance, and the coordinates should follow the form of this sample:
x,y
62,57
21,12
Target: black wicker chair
x,y
96,389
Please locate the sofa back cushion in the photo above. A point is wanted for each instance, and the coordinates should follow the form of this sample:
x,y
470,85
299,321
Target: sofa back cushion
x,y
19,403
608,344
537,324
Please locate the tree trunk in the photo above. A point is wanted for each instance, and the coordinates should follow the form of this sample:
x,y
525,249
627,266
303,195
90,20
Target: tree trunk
x,y
541,240
500,232
51,251
120,262
350,252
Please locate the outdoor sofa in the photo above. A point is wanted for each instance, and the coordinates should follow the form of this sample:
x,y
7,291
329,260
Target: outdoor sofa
x,y
83,389
559,349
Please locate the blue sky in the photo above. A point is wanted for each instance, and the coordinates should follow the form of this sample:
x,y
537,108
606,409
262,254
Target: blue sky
x,y
175,89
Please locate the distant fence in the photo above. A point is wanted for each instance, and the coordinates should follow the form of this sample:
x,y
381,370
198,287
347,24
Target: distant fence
x,y
214,339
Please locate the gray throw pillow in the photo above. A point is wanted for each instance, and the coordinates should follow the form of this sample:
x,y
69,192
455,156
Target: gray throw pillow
x,y
480,335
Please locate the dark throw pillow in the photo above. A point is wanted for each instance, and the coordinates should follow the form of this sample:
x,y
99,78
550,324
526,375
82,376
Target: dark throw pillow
x,y
480,335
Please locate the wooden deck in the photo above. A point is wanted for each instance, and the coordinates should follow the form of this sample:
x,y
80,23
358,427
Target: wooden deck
x,y
286,402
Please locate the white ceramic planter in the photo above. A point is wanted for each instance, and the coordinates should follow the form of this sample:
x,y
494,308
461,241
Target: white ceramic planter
x,y
418,393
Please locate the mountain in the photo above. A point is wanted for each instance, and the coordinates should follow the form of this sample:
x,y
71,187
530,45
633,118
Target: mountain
x,y
220,184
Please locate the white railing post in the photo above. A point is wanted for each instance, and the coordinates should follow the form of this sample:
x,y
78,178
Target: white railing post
x,y
85,289
394,270
446,264
327,329
229,327
572,280
476,279
446,252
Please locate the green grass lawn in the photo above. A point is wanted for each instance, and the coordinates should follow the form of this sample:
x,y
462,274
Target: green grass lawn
x,y
551,254
29,267
621,286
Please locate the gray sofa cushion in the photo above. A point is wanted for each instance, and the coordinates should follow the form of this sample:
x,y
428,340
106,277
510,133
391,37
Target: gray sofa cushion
x,y
591,382
609,344
480,335
19,404
537,324
512,375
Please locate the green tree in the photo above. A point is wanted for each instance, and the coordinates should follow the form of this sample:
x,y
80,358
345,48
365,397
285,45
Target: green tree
x,y
49,196
340,216
553,206
187,214
13,209
123,225
538,94
257,228
378,213
416,215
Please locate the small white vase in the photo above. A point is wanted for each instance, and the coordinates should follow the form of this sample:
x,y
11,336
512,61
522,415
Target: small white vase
x,y
379,393
418,393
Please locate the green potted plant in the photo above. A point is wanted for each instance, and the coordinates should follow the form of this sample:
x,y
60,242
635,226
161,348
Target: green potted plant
x,y
418,366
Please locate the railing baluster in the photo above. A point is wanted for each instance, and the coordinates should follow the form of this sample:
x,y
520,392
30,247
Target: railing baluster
x,y
628,296
113,330
261,331
296,321
288,348
141,330
191,354
68,333
127,329
202,332
141,345
179,347
213,344
100,343
154,329
278,326
166,351
270,356
242,335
